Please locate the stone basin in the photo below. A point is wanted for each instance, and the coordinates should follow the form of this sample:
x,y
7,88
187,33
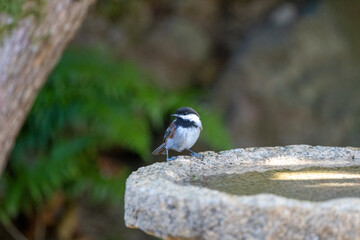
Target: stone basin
x,y
189,198
312,184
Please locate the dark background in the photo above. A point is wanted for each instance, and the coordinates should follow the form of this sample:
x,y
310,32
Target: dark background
x,y
259,72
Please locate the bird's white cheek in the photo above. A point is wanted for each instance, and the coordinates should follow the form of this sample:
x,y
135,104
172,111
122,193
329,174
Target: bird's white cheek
x,y
193,118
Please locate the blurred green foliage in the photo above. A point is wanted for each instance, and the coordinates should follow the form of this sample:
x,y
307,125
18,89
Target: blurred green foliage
x,y
91,102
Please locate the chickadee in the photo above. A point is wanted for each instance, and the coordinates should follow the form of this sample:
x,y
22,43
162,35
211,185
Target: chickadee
x,y
182,133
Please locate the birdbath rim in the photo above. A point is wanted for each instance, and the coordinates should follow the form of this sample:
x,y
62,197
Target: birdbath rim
x,y
157,201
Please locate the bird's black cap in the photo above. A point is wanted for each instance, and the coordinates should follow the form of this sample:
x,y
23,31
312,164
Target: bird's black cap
x,y
186,111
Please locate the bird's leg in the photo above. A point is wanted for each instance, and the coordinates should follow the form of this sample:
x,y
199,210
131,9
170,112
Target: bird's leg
x,y
194,154
167,156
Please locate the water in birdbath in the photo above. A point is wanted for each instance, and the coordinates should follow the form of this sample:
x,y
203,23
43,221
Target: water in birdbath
x,y
312,184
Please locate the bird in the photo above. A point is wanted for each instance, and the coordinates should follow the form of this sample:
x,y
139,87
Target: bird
x,y
182,133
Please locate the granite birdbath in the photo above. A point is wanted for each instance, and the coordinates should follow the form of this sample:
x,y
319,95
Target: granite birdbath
x,y
292,192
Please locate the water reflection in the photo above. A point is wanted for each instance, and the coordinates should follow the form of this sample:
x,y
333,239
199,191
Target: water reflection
x,y
313,184
314,175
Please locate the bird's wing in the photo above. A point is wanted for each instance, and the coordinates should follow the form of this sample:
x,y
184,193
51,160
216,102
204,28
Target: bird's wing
x,y
170,131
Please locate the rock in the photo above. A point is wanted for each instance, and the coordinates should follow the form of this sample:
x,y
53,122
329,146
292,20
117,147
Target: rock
x,y
158,202
169,57
292,81
284,14
239,17
204,13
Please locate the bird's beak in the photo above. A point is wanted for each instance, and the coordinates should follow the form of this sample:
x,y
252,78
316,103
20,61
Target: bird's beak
x,y
175,115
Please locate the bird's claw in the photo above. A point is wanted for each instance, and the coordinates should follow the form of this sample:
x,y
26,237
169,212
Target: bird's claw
x,y
170,159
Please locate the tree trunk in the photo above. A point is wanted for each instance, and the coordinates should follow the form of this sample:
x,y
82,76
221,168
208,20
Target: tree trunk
x,y
27,55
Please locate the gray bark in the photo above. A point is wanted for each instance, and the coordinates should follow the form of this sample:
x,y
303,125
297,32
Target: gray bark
x,y
27,55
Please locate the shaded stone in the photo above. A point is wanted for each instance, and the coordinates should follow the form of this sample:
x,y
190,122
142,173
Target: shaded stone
x,y
204,13
292,82
174,49
158,202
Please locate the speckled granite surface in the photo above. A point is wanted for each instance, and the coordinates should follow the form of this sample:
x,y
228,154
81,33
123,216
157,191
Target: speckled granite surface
x,y
157,202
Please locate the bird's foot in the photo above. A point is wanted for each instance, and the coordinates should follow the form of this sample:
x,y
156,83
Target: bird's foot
x,y
170,159
197,155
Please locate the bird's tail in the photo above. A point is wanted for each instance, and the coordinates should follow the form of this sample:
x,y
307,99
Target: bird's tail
x,y
159,150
